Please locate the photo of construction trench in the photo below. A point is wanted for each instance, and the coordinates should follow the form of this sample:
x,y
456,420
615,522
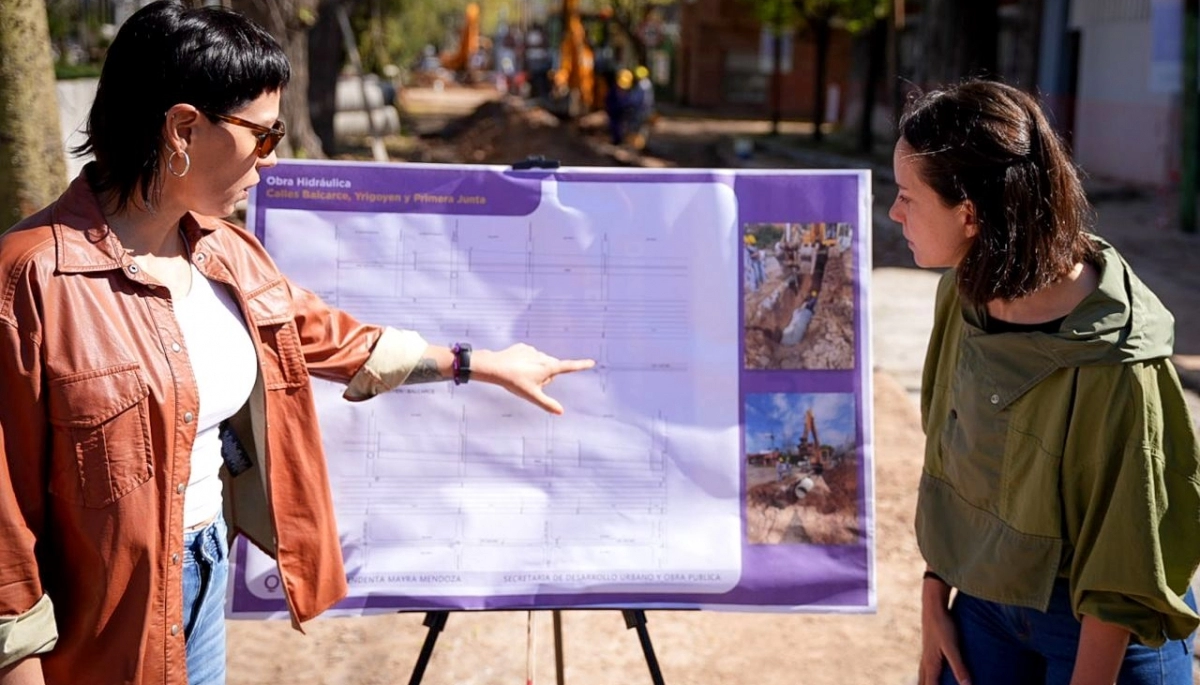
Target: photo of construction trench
x,y
802,462
798,295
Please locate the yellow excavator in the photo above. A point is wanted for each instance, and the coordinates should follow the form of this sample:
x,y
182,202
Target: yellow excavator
x,y
575,78
812,449
459,59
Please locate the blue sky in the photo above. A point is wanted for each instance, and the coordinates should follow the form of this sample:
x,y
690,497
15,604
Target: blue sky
x,y
777,419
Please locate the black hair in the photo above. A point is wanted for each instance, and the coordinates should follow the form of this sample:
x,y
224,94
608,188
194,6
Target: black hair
x,y
990,143
165,54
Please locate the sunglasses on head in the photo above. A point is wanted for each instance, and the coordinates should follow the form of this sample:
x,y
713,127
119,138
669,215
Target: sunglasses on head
x,y
268,138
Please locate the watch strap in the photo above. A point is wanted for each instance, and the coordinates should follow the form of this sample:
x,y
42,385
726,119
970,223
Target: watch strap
x,y
462,363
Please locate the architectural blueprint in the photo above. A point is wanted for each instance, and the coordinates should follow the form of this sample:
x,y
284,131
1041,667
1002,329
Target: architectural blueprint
x,y
467,495
468,489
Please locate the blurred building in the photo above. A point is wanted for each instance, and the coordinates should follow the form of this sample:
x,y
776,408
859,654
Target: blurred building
x,y
1113,68
1107,70
725,62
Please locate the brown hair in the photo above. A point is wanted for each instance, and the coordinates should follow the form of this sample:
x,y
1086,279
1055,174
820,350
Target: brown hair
x,y
991,144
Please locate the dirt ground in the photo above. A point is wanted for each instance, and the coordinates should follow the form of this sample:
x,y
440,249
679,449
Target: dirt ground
x,y
828,514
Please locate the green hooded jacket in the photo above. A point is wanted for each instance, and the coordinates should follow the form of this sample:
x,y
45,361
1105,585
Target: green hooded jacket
x,y
1067,454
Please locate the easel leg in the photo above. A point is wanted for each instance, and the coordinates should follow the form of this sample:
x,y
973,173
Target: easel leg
x,y
435,621
636,618
559,672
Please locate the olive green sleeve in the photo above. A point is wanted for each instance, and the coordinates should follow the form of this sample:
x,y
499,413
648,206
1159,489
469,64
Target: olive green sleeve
x,y
1131,500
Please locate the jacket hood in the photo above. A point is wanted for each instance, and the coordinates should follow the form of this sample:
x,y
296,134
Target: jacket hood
x,y
1122,321
1122,318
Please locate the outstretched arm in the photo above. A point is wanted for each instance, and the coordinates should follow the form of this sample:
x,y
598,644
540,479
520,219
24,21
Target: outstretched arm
x,y
521,369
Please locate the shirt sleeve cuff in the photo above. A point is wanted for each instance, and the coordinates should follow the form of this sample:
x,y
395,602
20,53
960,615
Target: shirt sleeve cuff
x,y
1151,624
393,358
33,632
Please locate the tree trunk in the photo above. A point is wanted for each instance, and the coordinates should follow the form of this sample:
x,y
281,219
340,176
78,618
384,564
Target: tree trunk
x,y
777,74
32,167
821,35
325,58
289,21
960,40
876,47
981,39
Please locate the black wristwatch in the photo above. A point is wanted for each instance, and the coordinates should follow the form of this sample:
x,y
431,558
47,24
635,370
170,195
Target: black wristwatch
x,y
462,362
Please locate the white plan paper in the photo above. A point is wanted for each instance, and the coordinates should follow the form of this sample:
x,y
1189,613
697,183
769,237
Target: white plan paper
x,y
445,490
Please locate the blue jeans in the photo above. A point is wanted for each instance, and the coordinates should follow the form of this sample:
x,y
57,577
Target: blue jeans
x,y
205,575
1006,645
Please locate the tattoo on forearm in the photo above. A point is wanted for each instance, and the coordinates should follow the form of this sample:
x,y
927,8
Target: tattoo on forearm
x,y
426,371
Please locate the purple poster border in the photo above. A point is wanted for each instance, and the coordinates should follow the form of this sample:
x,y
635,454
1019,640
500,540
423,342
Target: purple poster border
x,y
819,577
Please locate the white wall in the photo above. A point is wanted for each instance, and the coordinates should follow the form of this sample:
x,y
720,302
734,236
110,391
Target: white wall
x,y
1123,131
74,102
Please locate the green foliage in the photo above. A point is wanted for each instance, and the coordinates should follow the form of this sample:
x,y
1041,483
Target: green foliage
x,y
75,30
857,16
777,15
766,235
852,15
397,31
66,72
61,16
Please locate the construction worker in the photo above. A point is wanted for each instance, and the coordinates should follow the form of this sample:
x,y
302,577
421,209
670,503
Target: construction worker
x,y
641,107
753,263
616,100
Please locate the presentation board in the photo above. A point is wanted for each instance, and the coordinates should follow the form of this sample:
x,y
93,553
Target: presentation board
x,y
719,455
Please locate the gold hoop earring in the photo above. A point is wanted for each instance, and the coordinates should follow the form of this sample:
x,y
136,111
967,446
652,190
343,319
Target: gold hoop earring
x,y
187,163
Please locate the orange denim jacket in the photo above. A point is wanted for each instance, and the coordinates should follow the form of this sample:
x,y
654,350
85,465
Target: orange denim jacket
x,y
96,431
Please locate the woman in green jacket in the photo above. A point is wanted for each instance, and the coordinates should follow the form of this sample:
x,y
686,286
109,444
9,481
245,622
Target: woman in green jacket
x,y
1059,501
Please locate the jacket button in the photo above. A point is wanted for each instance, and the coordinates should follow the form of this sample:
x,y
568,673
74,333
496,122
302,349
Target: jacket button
x,y
995,399
199,256
174,558
133,268
188,417
181,488
174,628
953,415
175,347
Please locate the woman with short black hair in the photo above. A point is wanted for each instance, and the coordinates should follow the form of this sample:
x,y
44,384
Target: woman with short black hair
x,y
1060,494
145,343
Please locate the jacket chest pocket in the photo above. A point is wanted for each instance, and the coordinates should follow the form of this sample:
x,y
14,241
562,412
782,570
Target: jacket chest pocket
x,y
101,435
281,356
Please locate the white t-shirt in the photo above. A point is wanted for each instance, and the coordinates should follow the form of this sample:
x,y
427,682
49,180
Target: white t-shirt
x,y
225,365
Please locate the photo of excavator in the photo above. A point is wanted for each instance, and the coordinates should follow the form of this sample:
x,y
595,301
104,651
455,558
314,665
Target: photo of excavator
x,y
798,488
798,295
811,451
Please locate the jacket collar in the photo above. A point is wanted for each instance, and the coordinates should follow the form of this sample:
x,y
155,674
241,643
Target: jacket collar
x,y
1120,322
83,241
